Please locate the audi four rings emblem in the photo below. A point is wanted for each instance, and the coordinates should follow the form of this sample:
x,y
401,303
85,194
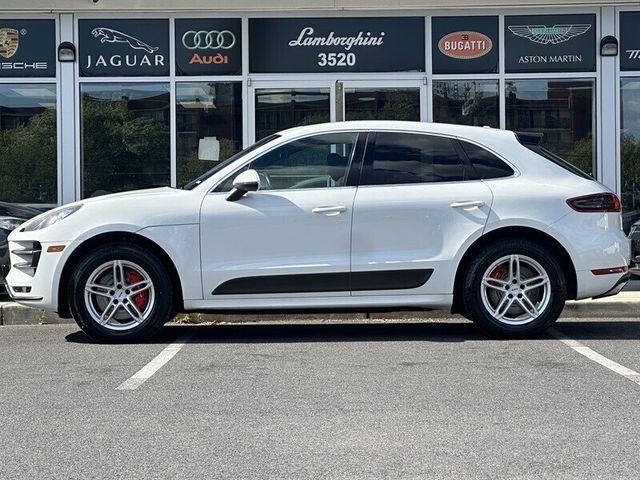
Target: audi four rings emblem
x,y
211,40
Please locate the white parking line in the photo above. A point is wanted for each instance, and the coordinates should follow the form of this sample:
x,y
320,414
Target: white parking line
x,y
146,372
596,357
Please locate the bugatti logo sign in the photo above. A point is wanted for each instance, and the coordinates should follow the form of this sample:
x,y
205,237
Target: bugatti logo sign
x,y
9,40
544,35
465,45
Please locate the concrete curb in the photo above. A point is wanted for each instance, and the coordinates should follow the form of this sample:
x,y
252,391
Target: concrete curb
x,y
623,305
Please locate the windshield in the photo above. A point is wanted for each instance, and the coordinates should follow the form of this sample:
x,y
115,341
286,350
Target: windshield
x,y
194,183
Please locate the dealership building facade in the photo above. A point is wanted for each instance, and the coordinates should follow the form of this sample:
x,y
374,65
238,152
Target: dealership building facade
x,y
103,96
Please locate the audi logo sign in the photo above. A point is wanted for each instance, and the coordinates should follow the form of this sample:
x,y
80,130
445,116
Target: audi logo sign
x,y
208,46
211,40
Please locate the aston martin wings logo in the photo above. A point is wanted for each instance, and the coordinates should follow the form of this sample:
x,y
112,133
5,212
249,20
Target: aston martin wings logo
x,y
545,35
9,40
114,36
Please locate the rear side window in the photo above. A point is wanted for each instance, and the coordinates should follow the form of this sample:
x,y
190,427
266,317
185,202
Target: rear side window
x,y
561,162
486,164
400,158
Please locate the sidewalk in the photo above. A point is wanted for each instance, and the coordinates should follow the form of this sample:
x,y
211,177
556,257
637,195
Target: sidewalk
x,y
625,304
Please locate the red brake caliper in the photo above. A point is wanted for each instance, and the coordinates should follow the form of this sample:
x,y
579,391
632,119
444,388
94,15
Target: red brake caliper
x,y
141,299
498,273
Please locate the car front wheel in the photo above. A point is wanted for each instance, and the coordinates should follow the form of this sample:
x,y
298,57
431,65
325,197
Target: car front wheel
x,y
120,292
514,288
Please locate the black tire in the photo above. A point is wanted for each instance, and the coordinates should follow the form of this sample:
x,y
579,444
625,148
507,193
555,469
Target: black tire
x,y
474,301
159,306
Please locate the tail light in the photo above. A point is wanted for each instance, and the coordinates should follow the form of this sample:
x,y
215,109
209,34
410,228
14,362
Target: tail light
x,y
597,202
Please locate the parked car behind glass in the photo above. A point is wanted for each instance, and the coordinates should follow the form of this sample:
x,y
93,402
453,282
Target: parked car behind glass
x,y
11,216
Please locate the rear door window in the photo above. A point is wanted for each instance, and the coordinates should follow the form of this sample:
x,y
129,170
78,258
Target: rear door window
x,y
402,158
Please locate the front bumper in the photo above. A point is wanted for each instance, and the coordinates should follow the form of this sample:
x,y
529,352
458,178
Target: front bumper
x,y
35,287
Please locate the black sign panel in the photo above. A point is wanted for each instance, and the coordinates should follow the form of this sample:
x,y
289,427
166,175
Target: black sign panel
x,y
550,43
27,48
123,47
465,44
208,46
303,45
629,41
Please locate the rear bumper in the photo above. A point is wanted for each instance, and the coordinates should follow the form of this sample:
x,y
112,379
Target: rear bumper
x,y
619,285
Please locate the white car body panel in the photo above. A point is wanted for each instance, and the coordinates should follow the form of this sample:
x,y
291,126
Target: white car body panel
x,y
404,227
275,233
235,239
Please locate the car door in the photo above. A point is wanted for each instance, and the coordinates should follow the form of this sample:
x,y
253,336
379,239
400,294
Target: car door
x,y
292,236
417,204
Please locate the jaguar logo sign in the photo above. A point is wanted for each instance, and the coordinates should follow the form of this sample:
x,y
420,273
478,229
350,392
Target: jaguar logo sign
x,y
465,45
114,36
9,41
123,47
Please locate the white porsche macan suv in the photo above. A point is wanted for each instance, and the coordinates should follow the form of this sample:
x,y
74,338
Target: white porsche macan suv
x,y
352,216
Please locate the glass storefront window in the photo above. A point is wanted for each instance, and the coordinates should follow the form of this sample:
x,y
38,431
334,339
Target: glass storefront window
x,y
280,109
28,144
125,137
382,104
466,102
209,126
560,109
630,150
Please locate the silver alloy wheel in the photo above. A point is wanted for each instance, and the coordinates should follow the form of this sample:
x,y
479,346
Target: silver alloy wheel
x,y
119,295
515,289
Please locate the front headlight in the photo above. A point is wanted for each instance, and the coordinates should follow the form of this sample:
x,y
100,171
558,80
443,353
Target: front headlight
x,y
49,218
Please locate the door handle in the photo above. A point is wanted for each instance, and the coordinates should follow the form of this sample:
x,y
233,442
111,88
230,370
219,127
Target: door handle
x,y
470,204
330,211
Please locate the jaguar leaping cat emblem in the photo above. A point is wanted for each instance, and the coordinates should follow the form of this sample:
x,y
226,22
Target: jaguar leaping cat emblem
x,y
114,36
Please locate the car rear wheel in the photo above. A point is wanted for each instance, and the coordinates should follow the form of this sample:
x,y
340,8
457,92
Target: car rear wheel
x,y
120,293
514,288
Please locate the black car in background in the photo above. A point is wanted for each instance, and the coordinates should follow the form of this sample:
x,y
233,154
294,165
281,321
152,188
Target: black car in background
x,y
634,236
11,216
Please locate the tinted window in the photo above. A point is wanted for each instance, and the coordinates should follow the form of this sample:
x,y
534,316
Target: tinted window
x,y
320,161
486,164
561,162
414,158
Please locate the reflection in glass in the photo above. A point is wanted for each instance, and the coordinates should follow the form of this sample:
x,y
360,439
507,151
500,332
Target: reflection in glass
x,y
560,109
382,104
280,109
125,137
209,126
630,150
466,102
28,166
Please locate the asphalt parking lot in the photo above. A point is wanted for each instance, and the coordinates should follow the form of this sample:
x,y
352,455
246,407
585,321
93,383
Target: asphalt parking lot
x,y
401,400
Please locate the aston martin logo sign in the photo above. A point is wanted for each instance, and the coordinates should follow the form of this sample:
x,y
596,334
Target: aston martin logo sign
x,y
544,35
550,43
9,41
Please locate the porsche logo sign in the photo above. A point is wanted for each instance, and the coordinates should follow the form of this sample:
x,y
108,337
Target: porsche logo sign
x,y
9,40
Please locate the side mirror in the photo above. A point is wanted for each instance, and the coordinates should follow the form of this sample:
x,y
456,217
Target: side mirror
x,y
247,181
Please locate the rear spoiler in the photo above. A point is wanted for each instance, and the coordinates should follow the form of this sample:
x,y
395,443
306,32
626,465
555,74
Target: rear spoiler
x,y
529,138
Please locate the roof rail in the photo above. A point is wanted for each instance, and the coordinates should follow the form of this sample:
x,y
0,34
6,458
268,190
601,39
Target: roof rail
x,y
529,138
